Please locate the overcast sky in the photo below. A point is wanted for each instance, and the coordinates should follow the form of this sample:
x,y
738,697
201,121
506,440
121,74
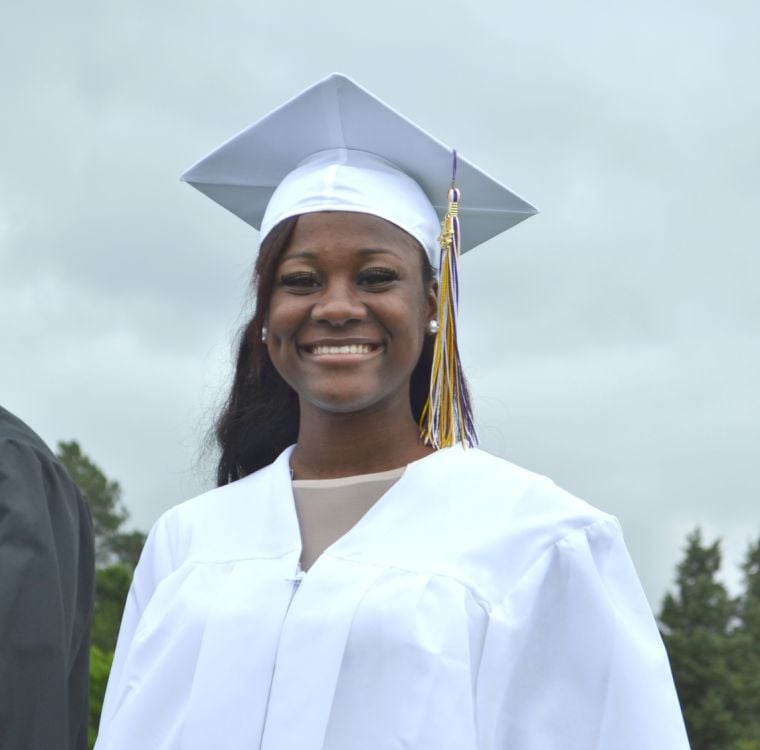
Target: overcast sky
x,y
611,341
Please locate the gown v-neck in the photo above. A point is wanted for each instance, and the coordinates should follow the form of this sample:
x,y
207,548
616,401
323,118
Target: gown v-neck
x,y
329,508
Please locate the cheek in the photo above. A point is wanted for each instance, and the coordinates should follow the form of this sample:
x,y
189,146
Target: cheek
x,y
424,313
282,318
413,322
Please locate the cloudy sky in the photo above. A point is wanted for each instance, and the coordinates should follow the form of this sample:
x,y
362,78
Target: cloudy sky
x,y
611,341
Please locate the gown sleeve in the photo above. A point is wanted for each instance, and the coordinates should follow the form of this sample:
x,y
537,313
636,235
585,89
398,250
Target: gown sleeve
x,y
154,565
573,659
46,599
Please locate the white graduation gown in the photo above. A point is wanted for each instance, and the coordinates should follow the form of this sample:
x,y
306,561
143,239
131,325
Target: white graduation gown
x,y
475,607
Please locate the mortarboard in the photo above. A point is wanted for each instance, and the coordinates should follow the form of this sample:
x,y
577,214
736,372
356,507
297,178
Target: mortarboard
x,y
337,113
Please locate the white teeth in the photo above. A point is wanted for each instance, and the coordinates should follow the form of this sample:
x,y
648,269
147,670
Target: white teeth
x,y
348,349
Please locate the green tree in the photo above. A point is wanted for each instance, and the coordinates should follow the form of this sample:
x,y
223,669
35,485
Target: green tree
x,y
696,621
126,548
112,543
116,554
746,651
111,589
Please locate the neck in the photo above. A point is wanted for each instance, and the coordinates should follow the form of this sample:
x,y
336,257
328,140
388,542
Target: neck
x,y
344,445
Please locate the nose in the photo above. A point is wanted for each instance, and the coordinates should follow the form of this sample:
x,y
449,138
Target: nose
x,y
338,304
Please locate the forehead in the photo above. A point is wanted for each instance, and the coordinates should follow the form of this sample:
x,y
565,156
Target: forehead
x,y
347,231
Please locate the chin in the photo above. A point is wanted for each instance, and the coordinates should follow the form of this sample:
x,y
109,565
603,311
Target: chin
x,y
343,404
337,400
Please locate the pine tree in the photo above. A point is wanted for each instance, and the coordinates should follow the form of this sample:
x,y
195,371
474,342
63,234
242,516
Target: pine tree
x,y
746,651
696,622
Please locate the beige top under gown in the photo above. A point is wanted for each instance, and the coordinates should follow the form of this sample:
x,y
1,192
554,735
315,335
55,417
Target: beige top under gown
x,y
328,508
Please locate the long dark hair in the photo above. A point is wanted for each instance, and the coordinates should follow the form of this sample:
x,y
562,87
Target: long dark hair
x,y
260,416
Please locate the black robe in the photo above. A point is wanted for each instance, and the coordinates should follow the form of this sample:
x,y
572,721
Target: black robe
x,y
46,596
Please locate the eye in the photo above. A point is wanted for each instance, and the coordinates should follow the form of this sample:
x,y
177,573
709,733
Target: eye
x,y
377,277
299,281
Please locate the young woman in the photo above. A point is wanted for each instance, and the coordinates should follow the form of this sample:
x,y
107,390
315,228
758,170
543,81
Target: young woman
x,y
355,582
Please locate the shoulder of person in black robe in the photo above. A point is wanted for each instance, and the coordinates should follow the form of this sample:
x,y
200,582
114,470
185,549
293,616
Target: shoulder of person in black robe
x,y
47,583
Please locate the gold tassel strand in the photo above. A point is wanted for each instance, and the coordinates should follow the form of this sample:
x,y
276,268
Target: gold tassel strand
x,y
447,416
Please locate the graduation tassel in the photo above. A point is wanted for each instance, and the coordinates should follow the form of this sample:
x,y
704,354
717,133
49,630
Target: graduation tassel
x,y
447,417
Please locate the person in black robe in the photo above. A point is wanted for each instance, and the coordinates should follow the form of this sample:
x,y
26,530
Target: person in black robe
x,y
47,579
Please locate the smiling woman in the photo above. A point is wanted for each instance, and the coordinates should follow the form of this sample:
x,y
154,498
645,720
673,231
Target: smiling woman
x,y
364,577
262,395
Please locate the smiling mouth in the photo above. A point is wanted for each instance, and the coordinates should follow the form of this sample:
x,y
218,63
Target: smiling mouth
x,y
344,349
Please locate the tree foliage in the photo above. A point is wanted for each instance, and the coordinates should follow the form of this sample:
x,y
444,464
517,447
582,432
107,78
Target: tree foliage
x,y
713,641
116,554
746,651
109,514
111,589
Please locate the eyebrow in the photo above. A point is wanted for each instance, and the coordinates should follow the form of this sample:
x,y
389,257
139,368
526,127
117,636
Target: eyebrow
x,y
366,251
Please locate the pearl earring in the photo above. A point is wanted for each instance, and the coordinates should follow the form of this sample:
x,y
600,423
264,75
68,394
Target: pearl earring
x,y
432,327
263,334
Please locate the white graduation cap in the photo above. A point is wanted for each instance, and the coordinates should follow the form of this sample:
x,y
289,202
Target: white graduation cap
x,y
335,147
